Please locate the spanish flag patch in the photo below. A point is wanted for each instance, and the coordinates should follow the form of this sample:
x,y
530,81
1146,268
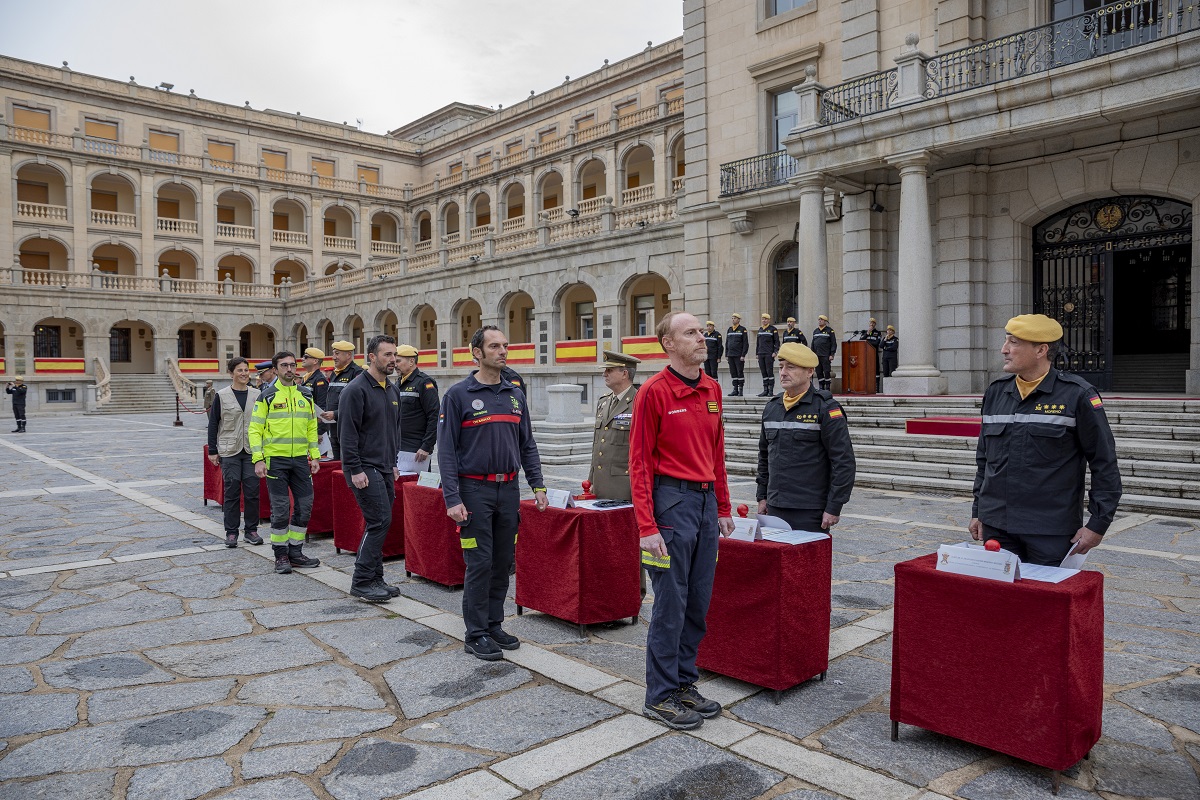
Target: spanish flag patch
x,y
1097,402
429,385
835,413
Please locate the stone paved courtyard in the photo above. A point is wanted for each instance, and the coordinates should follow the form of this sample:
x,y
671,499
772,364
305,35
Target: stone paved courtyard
x,y
139,658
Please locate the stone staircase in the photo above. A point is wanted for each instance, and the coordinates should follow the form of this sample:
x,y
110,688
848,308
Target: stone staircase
x,y
1158,446
140,394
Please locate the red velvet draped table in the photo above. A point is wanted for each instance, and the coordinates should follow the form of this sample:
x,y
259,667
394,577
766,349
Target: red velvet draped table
x,y
1014,667
348,522
768,621
431,546
580,565
321,520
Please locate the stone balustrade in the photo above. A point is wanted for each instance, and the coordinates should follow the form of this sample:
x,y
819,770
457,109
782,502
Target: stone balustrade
x,y
113,219
41,211
243,233
289,237
189,227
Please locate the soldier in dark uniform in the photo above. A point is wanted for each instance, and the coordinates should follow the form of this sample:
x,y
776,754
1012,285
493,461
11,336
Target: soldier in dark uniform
x,y
804,433
873,336
344,371
512,376
716,348
609,473
318,383
889,351
737,344
18,390
1041,427
418,412
793,334
824,344
766,347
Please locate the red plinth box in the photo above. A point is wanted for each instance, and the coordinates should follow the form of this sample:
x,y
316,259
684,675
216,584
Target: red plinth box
x,y
348,523
432,548
321,520
944,426
768,621
579,565
1014,667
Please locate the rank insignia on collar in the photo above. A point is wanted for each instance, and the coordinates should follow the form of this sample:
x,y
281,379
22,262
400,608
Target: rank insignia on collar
x,y
712,407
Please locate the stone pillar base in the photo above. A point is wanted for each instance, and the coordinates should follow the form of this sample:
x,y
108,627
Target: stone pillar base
x,y
920,386
565,402
1192,381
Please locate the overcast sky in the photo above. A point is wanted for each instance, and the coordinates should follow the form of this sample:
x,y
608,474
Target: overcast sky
x,y
387,62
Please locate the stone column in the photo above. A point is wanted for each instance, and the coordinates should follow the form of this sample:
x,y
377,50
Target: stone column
x,y
148,219
8,210
1193,373
813,252
207,214
917,373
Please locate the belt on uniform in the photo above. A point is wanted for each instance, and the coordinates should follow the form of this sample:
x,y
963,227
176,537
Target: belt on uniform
x,y
694,486
498,477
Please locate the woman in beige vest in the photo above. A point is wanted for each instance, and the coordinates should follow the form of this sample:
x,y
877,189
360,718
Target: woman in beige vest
x,y
229,446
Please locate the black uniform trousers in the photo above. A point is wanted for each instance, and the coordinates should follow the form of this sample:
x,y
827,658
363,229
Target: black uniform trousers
x,y
334,444
889,360
1046,549
801,519
737,368
766,366
687,521
241,489
19,412
824,373
710,367
376,503
488,539
289,474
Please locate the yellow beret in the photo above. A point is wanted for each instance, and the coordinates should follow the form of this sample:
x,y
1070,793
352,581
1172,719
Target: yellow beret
x,y
822,316
407,350
19,378
891,327
791,319
735,314
872,319
710,322
315,352
1036,328
344,346
798,354
764,315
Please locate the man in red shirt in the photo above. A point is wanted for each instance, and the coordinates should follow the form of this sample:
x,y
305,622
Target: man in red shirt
x,y
681,501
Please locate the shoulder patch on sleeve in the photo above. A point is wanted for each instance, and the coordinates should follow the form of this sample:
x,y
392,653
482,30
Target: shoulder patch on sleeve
x,y
835,413
1096,402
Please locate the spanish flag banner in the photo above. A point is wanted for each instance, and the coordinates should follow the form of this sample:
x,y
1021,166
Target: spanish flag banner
x,y
644,347
199,365
59,366
521,354
427,359
462,357
581,352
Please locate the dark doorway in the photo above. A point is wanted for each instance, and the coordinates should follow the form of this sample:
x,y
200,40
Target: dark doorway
x,y
787,281
1151,318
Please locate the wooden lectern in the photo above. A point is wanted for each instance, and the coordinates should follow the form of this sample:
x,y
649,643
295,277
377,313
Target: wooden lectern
x,y
858,367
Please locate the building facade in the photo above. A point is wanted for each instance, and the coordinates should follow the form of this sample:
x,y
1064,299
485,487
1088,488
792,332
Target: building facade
x,y
940,166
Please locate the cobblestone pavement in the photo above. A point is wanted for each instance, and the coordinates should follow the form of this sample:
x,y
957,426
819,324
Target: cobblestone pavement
x,y
139,658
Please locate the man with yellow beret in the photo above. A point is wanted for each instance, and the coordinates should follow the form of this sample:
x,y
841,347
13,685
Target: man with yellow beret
x,y
344,371
18,390
793,334
824,344
419,403
737,344
318,383
766,347
716,348
1041,426
806,462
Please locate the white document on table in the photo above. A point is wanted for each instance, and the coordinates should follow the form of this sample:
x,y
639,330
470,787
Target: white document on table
x,y
1046,574
407,463
431,479
559,498
964,558
745,529
591,505
1073,560
792,537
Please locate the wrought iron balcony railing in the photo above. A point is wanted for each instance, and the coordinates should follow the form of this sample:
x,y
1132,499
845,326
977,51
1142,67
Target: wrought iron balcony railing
x,y
756,172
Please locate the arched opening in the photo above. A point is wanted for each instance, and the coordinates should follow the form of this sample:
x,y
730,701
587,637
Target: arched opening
x,y
550,193
514,208
591,186
325,336
288,222
1116,273
578,312
336,266
389,325
481,213
450,227
385,234
114,259
289,268
469,315
198,340
786,269
131,347
176,210
43,254
677,165
339,229
647,300
423,228
256,342
354,329
518,314
236,268
300,337
235,216
41,193
639,176
57,337
177,264
426,328
112,202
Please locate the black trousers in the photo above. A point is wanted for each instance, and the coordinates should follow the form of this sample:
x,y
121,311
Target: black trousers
x,y
241,488
488,539
289,515
766,366
1045,549
889,364
19,412
710,367
824,372
801,519
737,368
376,504
334,444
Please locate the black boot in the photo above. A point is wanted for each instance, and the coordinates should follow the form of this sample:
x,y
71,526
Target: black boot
x,y
283,564
770,389
299,560
22,426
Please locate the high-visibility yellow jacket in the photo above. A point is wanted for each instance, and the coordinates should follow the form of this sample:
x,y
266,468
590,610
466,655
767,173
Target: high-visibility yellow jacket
x,y
284,423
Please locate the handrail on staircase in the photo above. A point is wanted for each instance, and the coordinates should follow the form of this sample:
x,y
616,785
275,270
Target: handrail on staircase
x,y
185,388
103,383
